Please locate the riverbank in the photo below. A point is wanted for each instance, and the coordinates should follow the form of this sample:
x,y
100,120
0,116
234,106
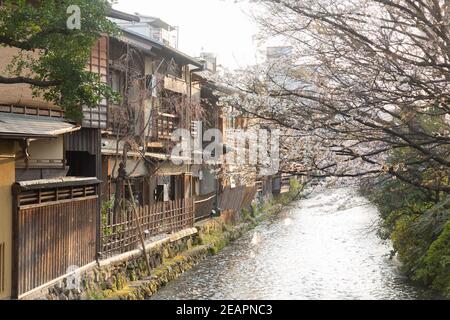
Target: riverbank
x,y
213,235
418,224
126,276
182,253
324,246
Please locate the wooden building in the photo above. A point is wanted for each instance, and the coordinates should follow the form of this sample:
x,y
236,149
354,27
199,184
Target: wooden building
x,y
160,96
49,190
233,186
61,180
35,194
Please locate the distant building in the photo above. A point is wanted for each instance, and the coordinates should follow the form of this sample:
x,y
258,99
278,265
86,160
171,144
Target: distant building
x,y
153,28
209,60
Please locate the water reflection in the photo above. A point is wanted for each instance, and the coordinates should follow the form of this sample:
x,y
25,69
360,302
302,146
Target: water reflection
x,y
325,247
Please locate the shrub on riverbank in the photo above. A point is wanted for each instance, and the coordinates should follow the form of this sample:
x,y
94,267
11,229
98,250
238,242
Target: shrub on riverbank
x,y
434,267
418,223
295,190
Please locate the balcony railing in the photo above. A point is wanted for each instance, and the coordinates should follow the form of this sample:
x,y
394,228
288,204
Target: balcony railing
x,y
176,84
162,125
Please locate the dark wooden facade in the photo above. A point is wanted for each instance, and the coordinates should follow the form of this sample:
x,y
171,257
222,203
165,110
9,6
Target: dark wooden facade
x,y
152,98
55,227
59,225
83,152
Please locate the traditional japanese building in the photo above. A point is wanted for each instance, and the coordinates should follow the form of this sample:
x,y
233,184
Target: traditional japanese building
x,y
76,192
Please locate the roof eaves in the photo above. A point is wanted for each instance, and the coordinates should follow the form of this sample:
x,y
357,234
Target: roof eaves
x,y
161,46
127,34
14,126
116,14
183,55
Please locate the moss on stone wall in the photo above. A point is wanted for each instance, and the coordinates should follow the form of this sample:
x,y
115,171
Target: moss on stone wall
x,y
213,236
129,279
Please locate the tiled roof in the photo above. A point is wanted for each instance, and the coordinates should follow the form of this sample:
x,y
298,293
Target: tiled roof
x,y
23,126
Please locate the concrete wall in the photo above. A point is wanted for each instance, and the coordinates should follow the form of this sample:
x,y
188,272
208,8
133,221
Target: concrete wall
x,y
7,178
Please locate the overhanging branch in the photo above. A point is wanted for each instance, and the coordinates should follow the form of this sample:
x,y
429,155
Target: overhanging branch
x,y
30,81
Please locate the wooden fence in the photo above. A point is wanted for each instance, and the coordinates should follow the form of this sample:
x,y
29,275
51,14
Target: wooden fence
x,y
204,206
54,228
120,232
237,198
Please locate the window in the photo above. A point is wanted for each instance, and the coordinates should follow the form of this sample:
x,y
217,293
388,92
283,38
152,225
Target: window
x,y
117,82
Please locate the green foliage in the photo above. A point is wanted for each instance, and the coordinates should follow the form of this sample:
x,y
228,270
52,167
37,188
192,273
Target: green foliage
x,y
53,54
295,185
96,295
434,268
106,206
409,246
397,200
294,192
247,215
255,210
418,224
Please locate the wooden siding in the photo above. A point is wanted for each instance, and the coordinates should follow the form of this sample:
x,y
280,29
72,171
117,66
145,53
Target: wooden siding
x,y
33,111
237,198
88,140
286,183
55,228
204,205
176,84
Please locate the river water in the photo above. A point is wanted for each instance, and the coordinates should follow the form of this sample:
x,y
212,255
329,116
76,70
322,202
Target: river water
x,y
323,247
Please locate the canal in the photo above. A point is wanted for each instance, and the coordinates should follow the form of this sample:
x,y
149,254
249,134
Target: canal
x,y
323,247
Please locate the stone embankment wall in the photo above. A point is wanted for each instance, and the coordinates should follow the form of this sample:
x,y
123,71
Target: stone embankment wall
x,y
108,276
125,276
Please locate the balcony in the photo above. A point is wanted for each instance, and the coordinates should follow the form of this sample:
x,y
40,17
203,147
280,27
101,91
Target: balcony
x,y
176,85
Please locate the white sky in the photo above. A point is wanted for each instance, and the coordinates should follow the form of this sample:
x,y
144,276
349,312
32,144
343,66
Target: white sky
x,y
218,26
